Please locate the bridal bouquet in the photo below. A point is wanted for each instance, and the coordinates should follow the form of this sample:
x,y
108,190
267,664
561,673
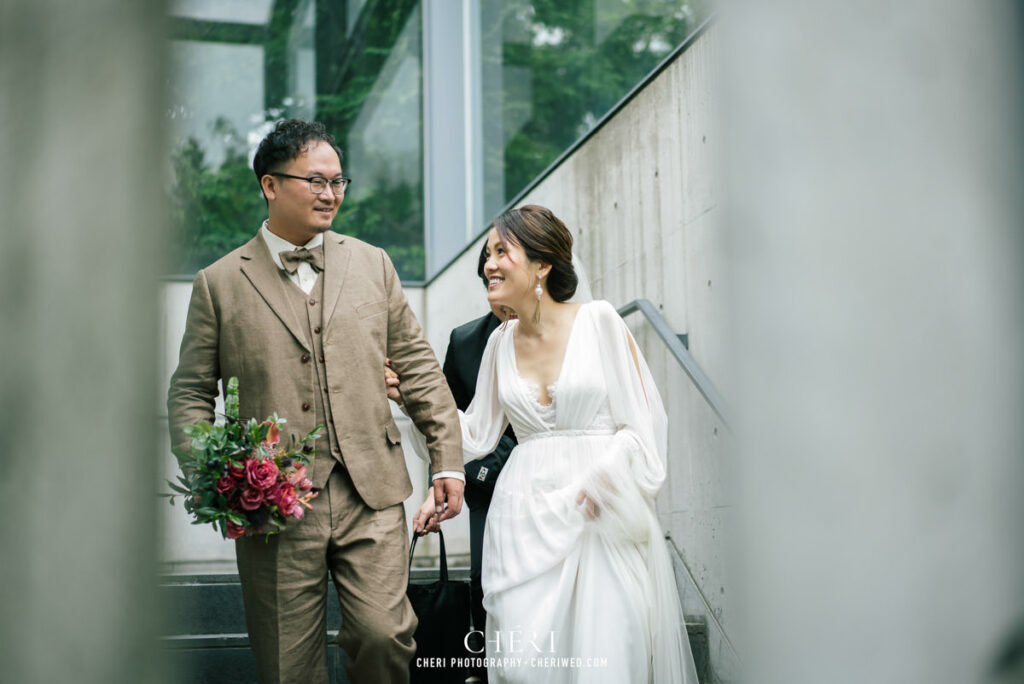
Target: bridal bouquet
x,y
240,478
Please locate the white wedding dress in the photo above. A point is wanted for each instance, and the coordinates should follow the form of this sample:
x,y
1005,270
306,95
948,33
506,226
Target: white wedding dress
x,y
572,599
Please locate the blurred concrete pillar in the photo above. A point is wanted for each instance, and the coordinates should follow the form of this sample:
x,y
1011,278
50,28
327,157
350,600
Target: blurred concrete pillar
x,y
81,195
874,181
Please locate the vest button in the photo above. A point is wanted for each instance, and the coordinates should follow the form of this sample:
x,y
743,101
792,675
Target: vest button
x,y
305,358
312,302
305,407
321,358
317,330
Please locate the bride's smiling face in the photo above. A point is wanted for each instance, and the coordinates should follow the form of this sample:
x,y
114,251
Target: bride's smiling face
x,y
511,276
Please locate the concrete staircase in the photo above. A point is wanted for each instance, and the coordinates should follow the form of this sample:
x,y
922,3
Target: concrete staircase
x,y
206,641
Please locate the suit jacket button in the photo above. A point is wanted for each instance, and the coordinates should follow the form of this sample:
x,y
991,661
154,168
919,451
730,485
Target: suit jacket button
x,y
305,358
321,358
305,407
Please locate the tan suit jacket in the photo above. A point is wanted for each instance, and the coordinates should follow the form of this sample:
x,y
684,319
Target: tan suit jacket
x,y
240,323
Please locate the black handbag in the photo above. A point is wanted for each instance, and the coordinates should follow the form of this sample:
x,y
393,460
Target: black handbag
x,y
443,610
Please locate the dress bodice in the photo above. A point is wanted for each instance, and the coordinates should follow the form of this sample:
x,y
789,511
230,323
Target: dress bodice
x,y
579,397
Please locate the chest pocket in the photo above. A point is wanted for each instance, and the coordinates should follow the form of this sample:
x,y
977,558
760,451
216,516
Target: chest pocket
x,y
371,309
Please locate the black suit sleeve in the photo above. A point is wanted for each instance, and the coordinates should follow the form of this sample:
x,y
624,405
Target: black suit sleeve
x,y
451,373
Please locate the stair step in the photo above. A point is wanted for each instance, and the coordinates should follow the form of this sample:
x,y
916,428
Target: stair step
x,y
207,642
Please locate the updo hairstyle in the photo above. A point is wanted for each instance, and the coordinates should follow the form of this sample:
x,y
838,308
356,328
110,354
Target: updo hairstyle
x,y
544,238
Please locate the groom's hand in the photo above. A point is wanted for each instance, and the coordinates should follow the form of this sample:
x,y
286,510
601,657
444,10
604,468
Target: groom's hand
x,y
448,489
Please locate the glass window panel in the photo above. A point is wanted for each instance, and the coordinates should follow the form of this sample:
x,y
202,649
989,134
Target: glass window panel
x,y
240,66
378,111
215,201
551,69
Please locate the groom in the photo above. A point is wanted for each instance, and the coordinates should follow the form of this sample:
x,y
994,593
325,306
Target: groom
x,y
305,318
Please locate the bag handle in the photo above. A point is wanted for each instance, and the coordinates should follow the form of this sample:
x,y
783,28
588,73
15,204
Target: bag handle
x,y
443,558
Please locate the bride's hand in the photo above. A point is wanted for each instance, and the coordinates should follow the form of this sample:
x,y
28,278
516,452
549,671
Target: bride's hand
x,y
592,510
425,519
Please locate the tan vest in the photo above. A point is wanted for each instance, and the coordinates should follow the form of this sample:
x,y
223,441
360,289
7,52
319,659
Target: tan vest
x,y
308,310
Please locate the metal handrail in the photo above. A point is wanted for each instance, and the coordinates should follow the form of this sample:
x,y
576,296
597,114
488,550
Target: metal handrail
x,y
682,355
703,599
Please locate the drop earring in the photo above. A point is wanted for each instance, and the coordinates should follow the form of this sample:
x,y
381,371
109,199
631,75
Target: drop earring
x,y
539,291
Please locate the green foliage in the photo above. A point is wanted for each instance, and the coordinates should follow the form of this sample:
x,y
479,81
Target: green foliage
x,y
213,210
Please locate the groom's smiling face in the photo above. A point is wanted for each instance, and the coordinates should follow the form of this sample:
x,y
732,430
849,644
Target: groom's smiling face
x,y
296,213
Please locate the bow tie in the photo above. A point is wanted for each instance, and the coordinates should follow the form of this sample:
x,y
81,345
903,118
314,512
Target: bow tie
x,y
291,258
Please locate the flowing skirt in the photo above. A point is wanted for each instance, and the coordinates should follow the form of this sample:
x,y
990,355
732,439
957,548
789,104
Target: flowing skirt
x,y
570,599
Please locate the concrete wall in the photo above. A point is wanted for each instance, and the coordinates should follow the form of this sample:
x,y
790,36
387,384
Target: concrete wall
x,y
874,168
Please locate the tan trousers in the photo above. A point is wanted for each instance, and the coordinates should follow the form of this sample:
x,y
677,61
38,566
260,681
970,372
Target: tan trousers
x,y
285,592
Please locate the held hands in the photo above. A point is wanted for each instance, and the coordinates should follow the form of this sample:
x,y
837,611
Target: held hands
x,y
425,519
433,511
391,383
446,500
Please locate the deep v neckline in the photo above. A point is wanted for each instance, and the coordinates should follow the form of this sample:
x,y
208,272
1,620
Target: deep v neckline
x,y
561,368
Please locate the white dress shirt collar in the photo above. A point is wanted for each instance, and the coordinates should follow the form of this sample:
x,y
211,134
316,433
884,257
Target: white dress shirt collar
x,y
276,243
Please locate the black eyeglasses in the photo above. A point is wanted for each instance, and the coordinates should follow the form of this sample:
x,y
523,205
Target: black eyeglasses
x,y
317,184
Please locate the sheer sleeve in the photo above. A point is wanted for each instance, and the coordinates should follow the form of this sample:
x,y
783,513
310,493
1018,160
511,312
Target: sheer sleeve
x,y
627,477
483,422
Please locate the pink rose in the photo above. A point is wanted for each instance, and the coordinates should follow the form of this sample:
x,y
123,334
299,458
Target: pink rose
x,y
296,511
261,474
296,476
284,496
252,499
306,484
225,485
235,531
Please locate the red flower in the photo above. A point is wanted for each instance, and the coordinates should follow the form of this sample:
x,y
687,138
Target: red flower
x,y
282,496
226,485
296,511
252,499
261,474
235,531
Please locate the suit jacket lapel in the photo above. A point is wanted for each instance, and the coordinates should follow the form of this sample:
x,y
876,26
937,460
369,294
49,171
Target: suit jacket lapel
x,y
336,260
265,276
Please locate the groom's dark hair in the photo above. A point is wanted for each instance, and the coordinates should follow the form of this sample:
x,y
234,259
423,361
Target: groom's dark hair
x,y
288,140
544,238
480,265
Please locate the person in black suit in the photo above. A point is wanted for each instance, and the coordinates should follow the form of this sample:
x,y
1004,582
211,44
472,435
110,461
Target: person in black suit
x,y
461,366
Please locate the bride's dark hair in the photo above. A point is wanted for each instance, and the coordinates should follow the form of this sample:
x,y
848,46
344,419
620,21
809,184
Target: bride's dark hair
x,y
544,238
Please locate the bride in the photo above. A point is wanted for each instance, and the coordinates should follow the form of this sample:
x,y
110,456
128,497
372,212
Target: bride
x,y
577,581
